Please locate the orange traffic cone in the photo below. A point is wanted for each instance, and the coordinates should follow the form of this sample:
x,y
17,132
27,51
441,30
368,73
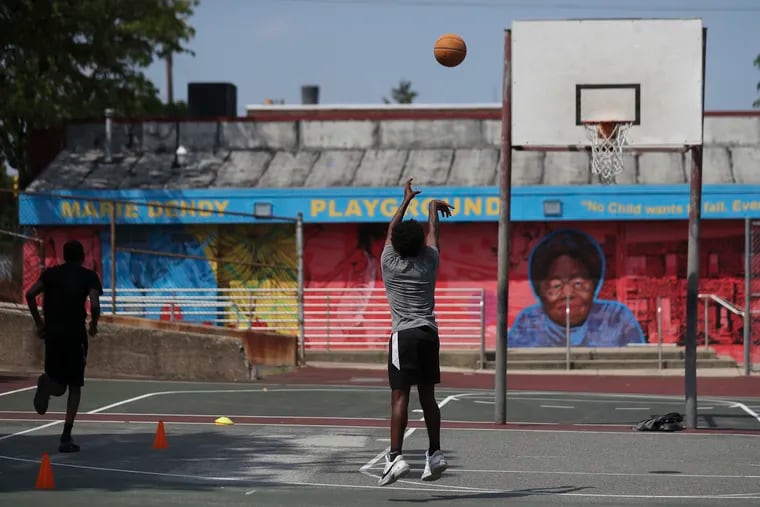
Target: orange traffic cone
x,y
45,475
159,442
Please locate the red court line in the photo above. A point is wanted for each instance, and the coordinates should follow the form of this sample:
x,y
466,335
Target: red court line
x,y
13,383
733,387
353,422
610,384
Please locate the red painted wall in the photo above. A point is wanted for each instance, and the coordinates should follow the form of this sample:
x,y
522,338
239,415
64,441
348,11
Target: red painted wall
x,y
644,260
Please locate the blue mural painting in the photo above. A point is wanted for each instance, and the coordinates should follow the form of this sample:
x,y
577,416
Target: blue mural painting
x,y
566,273
154,263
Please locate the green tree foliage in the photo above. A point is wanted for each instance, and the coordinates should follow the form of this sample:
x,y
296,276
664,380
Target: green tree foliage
x,y
402,94
7,202
67,59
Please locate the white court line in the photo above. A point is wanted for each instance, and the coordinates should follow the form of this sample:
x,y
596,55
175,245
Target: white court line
x,y
194,415
418,487
6,393
222,391
607,474
24,432
577,400
747,410
162,393
127,471
727,496
408,432
558,406
632,408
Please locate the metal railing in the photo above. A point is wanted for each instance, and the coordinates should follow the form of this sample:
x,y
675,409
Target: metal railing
x,y
334,318
706,298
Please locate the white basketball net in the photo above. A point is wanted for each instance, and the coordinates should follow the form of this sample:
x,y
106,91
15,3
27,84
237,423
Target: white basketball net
x,y
607,152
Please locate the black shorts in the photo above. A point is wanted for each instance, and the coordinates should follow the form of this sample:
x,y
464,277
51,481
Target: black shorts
x,y
65,360
413,358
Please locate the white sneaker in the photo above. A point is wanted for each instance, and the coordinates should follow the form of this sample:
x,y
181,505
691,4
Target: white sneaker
x,y
434,466
393,470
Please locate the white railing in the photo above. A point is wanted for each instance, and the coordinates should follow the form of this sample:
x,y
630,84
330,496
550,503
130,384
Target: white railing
x,y
347,317
334,318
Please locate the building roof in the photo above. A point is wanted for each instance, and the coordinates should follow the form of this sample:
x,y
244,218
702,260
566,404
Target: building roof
x,y
365,146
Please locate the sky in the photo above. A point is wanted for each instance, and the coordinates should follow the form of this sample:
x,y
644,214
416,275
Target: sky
x,y
357,50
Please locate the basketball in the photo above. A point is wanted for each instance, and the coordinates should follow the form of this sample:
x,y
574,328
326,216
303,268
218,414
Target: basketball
x,y
450,50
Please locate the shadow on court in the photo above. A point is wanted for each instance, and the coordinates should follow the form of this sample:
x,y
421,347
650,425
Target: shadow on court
x,y
502,495
126,461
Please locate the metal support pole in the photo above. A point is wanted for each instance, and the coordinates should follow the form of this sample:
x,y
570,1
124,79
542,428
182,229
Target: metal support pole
x,y
747,317
567,332
692,268
43,259
300,291
250,309
482,329
328,321
109,137
113,259
692,288
707,323
502,283
659,332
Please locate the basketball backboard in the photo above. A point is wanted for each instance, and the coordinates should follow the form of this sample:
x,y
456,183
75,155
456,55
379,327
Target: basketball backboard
x,y
646,72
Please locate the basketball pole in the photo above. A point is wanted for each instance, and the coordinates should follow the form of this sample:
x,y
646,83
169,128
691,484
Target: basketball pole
x,y
505,196
692,268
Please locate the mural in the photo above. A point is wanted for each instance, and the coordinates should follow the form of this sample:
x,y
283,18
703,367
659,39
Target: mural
x,y
262,260
153,262
566,273
639,264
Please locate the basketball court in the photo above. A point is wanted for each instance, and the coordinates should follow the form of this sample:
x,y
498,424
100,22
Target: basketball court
x,y
572,85
295,442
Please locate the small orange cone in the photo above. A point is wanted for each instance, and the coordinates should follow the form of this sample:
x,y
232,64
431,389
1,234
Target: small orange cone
x,y
45,475
160,441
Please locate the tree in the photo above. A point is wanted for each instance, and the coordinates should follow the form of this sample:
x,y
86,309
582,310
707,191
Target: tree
x,y
402,94
756,103
7,201
67,59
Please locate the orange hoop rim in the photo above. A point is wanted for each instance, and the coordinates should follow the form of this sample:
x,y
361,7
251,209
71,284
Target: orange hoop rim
x,y
604,129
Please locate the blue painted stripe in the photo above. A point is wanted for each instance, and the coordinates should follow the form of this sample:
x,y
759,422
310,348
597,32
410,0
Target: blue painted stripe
x,y
346,205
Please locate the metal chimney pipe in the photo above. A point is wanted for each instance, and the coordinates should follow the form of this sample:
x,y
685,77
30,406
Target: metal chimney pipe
x,y
310,94
109,116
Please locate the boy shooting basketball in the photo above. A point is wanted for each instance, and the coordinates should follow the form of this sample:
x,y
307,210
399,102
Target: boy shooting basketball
x,y
410,268
66,288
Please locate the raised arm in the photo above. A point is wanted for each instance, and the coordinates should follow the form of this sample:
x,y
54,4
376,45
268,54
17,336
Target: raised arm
x,y
433,224
409,194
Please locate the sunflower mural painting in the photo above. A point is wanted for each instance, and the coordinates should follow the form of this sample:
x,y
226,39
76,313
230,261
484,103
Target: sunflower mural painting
x,y
261,257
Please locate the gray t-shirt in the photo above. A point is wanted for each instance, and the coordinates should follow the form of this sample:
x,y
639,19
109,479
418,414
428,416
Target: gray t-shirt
x,y
410,287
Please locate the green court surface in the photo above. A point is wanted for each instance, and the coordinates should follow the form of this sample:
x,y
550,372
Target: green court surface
x,y
299,444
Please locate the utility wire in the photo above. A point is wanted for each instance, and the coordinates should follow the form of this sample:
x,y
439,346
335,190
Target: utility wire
x,y
554,5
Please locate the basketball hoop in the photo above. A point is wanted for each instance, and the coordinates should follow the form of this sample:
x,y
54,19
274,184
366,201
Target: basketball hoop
x,y
607,141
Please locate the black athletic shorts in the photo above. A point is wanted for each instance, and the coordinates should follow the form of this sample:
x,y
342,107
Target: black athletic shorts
x,y
413,357
65,360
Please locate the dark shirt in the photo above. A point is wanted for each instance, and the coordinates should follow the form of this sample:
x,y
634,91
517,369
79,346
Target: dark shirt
x,y
66,288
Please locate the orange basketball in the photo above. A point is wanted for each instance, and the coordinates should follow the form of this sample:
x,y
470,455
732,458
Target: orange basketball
x,y
450,50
